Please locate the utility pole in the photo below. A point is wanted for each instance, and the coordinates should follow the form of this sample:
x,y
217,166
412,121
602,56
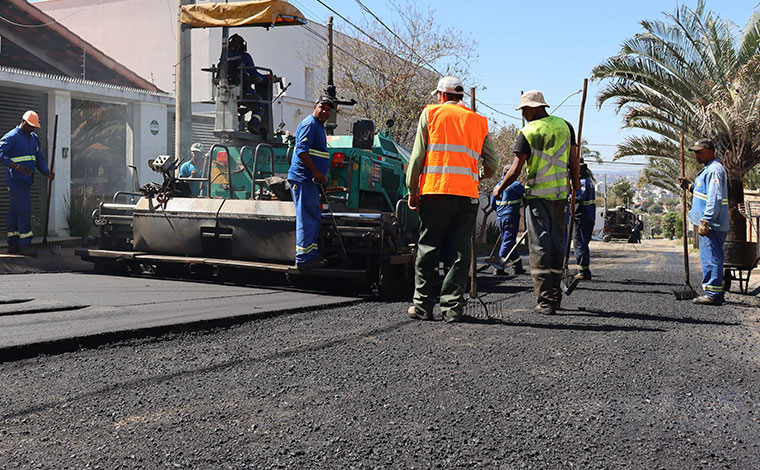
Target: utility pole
x,y
332,121
330,91
183,88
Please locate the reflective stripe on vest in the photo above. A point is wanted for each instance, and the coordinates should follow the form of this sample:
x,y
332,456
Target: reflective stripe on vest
x,y
24,158
455,141
508,203
549,140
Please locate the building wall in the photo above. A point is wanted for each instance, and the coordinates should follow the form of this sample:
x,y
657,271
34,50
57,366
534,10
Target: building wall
x,y
147,44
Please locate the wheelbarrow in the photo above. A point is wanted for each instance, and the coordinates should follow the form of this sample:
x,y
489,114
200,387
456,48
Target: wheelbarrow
x,y
740,258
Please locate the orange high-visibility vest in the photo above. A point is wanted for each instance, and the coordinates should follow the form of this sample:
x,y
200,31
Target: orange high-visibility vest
x,y
455,140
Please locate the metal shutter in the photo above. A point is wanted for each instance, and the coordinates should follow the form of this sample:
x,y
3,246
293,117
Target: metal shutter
x,y
13,103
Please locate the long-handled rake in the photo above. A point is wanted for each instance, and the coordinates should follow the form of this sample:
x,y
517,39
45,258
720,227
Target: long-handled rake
x,y
685,292
569,281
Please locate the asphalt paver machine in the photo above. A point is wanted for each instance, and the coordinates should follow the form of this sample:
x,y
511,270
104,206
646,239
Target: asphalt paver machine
x,y
244,219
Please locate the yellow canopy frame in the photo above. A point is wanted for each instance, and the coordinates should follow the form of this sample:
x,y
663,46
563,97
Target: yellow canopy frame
x,y
266,13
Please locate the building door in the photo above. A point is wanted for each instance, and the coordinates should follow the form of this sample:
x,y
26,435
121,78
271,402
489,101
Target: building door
x,y
13,103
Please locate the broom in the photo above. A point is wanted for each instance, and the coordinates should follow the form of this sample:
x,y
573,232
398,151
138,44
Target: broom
x,y
686,292
569,282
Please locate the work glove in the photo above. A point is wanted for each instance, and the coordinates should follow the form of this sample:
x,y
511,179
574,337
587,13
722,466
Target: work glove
x,y
704,228
684,183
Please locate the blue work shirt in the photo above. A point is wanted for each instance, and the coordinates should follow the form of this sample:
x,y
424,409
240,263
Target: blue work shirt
x,y
710,201
237,58
311,138
586,200
509,203
186,171
18,147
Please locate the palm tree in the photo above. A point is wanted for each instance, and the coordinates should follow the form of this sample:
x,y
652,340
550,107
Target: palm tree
x,y
691,72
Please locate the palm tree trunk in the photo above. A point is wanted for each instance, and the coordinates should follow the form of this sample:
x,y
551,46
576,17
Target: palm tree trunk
x,y
738,230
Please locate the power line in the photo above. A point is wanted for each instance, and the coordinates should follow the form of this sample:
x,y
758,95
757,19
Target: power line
x,y
384,47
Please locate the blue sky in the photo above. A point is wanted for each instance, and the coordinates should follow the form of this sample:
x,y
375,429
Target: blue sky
x,y
549,45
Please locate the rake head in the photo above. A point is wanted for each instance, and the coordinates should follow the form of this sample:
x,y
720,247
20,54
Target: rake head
x,y
569,283
685,293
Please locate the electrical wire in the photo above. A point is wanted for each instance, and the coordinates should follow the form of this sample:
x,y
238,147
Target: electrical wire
x,y
384,47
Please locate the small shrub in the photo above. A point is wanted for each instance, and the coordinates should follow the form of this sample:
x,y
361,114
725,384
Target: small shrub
x,y
78,217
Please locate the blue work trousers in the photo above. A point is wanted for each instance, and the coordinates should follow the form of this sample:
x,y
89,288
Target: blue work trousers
x,y
19,220
308,220
581,237
508,225
711,257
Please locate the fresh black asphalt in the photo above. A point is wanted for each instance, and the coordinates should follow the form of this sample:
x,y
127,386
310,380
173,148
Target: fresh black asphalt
x,y
624,376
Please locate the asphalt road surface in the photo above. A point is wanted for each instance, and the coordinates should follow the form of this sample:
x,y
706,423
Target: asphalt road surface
x,y
624,376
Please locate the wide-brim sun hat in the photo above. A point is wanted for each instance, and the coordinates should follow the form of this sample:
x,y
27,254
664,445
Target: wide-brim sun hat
x,y
532,99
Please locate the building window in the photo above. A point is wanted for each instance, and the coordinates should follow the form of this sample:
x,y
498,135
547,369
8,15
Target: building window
x,y
98,150
308,81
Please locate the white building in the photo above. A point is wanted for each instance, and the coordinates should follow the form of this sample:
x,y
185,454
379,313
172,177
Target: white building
x,y
147,43
108,116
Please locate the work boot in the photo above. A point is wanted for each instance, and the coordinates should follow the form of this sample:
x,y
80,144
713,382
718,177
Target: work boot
x,y
452,318
519,267
545,309
584,275
419,315
499,272
707,300
315,264
12,249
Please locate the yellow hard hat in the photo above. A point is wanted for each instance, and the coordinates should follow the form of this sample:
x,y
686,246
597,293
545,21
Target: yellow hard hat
x,y
31,118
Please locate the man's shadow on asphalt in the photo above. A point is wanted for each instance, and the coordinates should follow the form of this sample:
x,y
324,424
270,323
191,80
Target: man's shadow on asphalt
x,y
555,326
590,312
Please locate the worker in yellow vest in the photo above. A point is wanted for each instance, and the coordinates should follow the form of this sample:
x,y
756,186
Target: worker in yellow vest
x,y
547,146
443,179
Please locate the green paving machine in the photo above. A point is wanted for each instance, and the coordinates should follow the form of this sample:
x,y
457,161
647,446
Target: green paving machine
x,y
244,219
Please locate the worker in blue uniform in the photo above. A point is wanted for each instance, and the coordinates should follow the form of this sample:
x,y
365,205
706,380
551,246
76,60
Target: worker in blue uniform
x,y
237,57
310,163
21,154
709,210
583,225
507,204
193,168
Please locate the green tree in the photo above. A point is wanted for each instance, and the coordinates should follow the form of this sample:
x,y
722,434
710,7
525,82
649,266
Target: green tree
x,y
391,75
623,191
668,224
690,73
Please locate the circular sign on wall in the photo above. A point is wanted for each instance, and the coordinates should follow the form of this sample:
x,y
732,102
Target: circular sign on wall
x,y
154,127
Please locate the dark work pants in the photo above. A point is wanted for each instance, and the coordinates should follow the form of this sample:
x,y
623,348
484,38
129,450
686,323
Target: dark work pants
x,y
445,221
545,221
581,238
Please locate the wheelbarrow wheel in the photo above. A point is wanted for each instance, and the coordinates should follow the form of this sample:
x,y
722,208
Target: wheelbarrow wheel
x,y
727,278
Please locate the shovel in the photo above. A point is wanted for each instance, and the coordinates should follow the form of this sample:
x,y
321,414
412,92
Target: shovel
x,y
686,292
